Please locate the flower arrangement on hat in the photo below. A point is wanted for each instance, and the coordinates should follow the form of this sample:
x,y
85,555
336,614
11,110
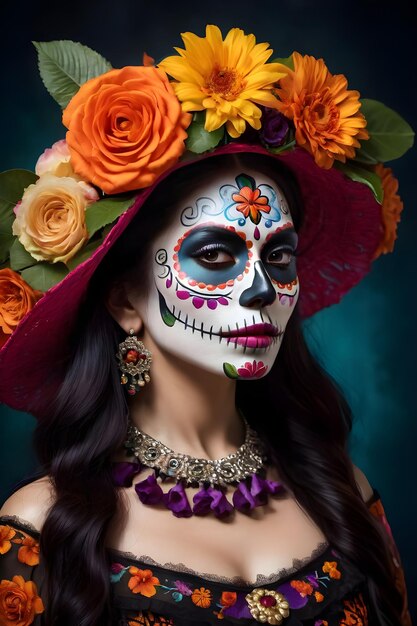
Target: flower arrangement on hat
x,y
128,128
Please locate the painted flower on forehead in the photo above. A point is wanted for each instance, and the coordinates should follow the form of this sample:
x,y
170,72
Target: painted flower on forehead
x,y
125,128
325,113
227,78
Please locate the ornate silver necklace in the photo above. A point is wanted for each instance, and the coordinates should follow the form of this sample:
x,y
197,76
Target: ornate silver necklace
x,y
245,469
249,459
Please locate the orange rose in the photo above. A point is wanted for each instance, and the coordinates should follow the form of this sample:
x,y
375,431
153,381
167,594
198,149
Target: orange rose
x,y
19,602
125,128
16,299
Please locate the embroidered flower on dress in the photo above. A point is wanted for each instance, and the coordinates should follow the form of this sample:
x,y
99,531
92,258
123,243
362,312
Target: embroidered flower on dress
x,y
201,597
142,581
305,589
330,567
356,613
29,551
6,534
146,618
19,602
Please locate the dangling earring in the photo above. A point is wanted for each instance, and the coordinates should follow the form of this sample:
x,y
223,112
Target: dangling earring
x,y
134,363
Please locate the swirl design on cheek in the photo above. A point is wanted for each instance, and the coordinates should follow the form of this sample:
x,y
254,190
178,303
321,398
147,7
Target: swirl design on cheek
x,y
161,258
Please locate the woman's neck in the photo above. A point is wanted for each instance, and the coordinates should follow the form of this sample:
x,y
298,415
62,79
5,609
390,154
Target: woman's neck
x,y
189,409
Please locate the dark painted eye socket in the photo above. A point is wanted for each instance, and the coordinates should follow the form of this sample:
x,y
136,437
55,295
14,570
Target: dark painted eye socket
x,y
213,254
278,256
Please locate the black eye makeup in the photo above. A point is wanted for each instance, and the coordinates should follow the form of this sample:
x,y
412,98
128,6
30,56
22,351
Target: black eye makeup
x,y
279,255
213,254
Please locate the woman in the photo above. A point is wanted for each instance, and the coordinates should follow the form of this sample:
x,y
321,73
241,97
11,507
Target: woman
x,y
174,390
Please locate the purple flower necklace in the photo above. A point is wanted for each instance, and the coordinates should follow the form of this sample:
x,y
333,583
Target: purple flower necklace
x,y
245,470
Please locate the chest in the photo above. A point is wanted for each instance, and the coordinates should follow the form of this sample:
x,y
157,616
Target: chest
x,y
265,541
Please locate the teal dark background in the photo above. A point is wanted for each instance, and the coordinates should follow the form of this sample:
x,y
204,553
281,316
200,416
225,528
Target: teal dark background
x,y
368,342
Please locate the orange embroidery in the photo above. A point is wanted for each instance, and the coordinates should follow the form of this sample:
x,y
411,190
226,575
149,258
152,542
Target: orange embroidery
x,y
29,552
356,613
330,567
201,597
19,602
6,534
228,598
142,581
305,589
319,596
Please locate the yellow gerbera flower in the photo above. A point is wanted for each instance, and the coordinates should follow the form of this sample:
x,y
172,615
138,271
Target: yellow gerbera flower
x,y
325,113
227,78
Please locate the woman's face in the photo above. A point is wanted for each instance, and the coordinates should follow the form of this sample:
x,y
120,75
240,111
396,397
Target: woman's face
x,y
224,280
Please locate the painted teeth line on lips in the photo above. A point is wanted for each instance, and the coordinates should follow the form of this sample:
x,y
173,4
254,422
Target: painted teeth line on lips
x,y
256,336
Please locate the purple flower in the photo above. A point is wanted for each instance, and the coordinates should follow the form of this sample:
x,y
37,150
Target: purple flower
x,y
210,499
183,588
123,473
202,502
176,501
243,500
274,128
149,491
116,568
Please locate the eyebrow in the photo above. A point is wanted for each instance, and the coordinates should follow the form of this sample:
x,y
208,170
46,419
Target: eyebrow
x,y
204,234
285,236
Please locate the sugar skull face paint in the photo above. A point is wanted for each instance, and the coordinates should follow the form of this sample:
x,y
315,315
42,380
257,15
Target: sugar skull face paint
x,y
224,275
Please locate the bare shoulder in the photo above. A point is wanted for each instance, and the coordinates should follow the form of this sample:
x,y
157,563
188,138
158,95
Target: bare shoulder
x,y
362,483
31,503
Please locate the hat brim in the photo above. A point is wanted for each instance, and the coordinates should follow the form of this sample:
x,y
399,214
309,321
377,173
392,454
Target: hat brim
x,y
340,233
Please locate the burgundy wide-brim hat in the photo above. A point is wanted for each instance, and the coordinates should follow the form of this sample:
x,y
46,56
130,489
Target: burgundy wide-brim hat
x,y
340,233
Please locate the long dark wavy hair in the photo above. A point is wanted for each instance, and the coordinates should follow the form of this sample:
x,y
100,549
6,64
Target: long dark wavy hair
x,y
88,420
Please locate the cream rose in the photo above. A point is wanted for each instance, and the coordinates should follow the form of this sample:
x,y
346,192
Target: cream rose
x,y
50,219
56,160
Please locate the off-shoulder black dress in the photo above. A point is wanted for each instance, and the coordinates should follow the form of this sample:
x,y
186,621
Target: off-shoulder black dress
x,y
324,589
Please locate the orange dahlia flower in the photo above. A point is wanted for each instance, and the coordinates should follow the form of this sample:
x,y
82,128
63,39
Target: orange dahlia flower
x,y
125,128
16,299
227,78
391,209
325,113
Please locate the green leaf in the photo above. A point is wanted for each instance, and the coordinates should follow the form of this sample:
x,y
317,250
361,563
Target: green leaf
x,y
362,175
230,370
65,65
43,276
200,140
84,254
286,147
390,135
20,258
12,186
244,180
287,61
105,211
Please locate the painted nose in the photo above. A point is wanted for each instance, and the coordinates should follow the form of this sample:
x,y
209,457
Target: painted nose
x,y
261,292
